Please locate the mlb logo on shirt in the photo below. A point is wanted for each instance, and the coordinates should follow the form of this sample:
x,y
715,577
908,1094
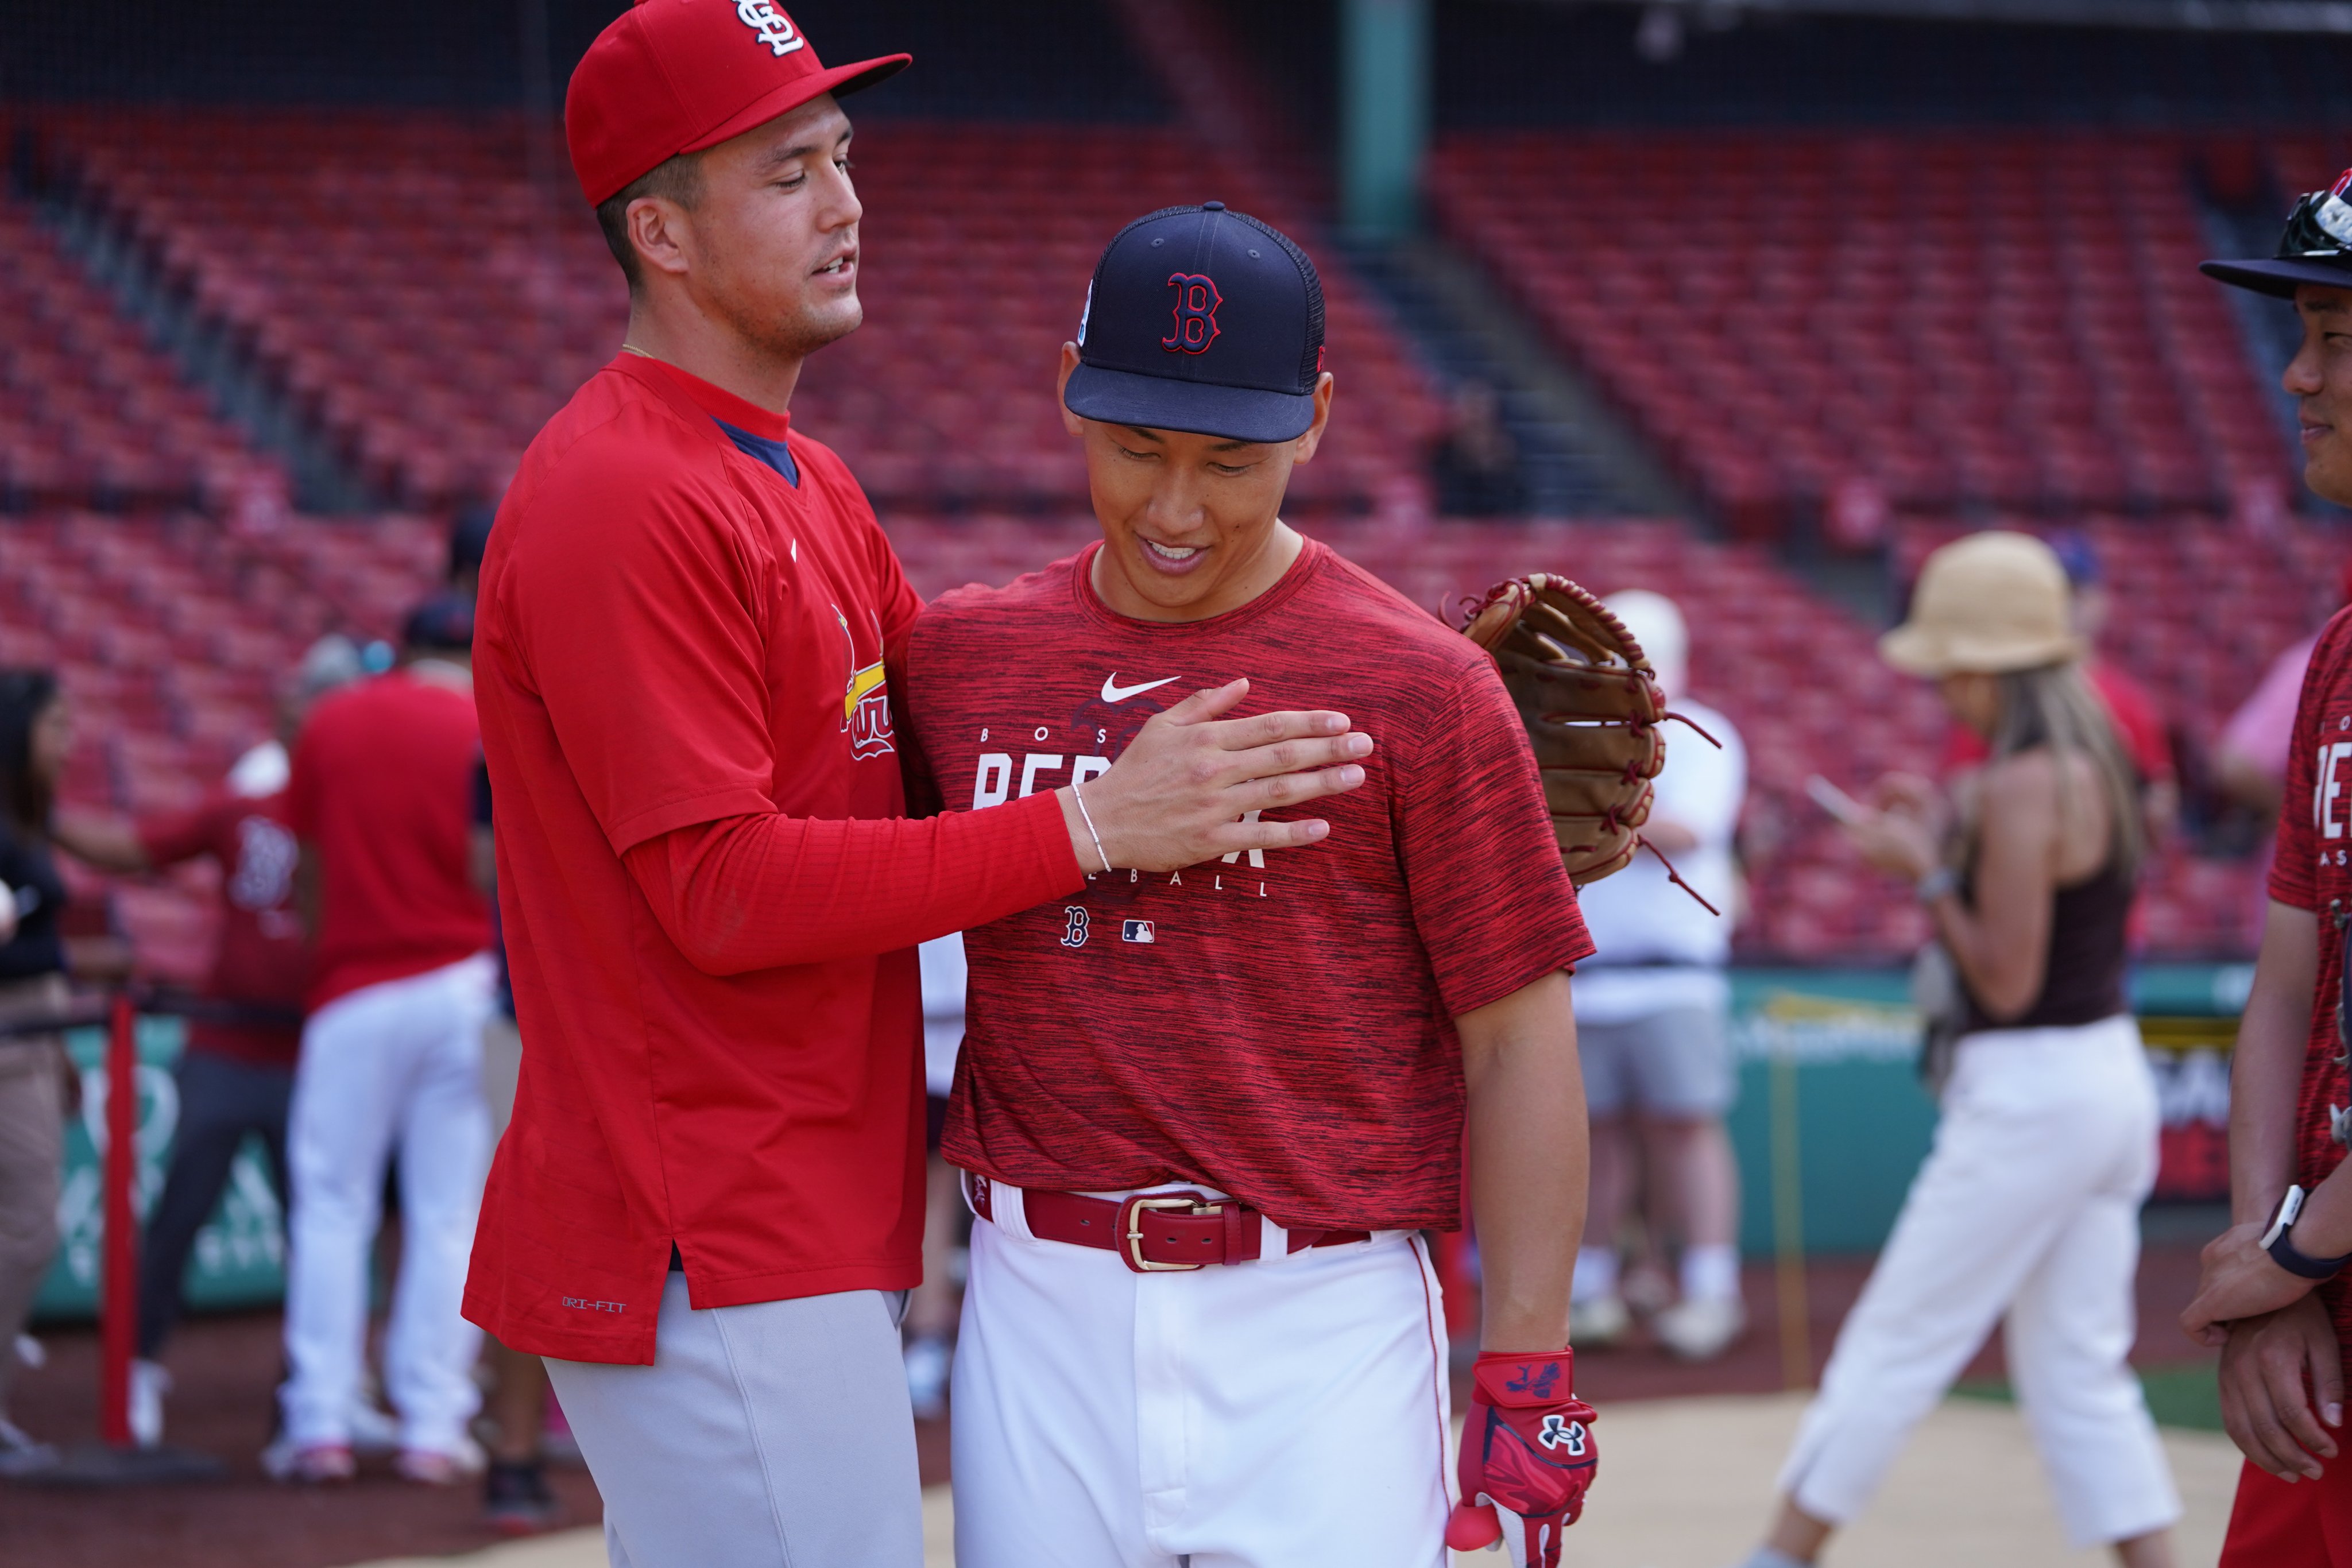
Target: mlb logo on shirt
x,y
1139,930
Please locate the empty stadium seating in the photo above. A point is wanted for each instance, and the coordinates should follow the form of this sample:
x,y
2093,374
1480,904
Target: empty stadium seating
x,y
1955,320
88,407
429,305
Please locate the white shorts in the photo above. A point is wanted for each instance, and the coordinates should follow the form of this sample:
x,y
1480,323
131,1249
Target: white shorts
x,y
1264,1415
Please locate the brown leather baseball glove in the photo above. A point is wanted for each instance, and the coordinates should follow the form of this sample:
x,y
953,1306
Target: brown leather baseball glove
x,y
1593,707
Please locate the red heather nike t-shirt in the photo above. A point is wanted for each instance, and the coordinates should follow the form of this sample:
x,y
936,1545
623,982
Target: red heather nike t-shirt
x,y
677,629
2313,869
1279,1024
263,959
383,789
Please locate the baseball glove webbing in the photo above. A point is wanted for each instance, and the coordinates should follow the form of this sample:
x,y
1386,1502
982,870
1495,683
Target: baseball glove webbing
x,y
1593,708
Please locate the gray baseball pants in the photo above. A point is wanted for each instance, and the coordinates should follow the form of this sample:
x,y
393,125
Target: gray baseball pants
x,y
775,1435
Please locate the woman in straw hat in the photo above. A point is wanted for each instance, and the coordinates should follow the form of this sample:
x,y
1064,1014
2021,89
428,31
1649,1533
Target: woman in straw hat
x,y
2028,1206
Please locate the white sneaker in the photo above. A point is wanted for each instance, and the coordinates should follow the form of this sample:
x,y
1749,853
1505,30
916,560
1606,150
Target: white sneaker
x,y
308,1464
149,1384
1599,1321
441,1466
373,1431
1701,1330
19,1455
928,1361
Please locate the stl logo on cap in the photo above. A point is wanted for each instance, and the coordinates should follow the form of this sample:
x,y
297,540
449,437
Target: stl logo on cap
x,y
1196,313
774,28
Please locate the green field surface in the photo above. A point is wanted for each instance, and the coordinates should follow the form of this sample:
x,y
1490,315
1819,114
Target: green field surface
x,y
2185,1396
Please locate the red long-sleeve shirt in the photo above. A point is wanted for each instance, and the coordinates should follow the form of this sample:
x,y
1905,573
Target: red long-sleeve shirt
x,y
711,899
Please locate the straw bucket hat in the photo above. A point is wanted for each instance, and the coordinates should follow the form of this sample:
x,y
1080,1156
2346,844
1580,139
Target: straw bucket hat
x,y
1988,604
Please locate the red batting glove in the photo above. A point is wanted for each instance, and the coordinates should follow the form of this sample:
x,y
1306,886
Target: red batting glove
x,y
1527,1446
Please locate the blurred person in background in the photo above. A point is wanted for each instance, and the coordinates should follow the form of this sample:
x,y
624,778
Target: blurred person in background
x,y
1475,465
391,1055
469,537
931,1309
2028,1206
2251,756
1653,1013
36,1075
2137,720
236,1076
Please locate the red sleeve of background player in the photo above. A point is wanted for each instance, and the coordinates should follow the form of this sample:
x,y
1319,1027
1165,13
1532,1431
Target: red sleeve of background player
x,y
1491,901
177,836
2293,881
2136,717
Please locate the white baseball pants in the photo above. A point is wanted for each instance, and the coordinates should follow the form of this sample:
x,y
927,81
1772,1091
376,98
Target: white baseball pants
x,y
1259,1414
391,1066
2028,1206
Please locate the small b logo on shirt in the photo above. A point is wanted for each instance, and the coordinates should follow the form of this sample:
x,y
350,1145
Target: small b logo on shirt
x,y
1073,932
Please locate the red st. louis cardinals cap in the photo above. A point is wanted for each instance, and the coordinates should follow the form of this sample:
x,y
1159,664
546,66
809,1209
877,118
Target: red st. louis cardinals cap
x,y
677,76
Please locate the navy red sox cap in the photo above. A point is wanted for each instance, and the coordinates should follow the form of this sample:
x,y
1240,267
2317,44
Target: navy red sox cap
x,y
2317,248
1204,320
679,75
443,623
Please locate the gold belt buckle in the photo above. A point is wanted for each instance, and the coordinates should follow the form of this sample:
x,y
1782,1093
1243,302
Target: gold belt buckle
x,y
1135,1206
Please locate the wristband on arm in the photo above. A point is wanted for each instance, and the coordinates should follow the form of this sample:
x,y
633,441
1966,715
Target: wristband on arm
x,y
2279,1243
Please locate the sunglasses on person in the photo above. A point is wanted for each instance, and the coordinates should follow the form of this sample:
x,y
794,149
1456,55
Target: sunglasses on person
x,y
2321,225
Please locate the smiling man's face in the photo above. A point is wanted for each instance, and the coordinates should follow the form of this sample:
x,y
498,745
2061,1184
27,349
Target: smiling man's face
x,y
2319,379
1191,523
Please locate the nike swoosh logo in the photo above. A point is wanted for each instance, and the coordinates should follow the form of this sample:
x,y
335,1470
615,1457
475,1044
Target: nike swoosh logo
x,y
1115,692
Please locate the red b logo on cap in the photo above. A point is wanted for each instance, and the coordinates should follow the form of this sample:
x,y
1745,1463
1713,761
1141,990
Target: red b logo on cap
x,y
1196,313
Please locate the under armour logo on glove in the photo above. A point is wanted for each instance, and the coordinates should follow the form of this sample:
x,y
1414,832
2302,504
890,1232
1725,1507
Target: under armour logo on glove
x,y
1559,1431
1527,1446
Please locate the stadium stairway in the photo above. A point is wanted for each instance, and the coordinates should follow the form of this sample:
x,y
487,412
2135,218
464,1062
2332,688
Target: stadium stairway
x,y
207,358
1579,459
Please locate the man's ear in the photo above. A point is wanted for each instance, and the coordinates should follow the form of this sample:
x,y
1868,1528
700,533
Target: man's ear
x,y
662,233
1070,422
1302,449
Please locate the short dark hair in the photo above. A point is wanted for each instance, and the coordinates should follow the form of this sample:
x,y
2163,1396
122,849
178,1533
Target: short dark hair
x,y
25,795
442,624
677,179
469,539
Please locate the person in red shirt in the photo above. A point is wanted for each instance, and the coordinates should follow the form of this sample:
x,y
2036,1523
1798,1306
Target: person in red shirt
x,y
236,1073
1206,1113
381,802
2275,1294
711,1191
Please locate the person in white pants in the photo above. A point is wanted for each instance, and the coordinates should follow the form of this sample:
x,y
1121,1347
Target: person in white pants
x,y
2029,1203
389,1069
381,802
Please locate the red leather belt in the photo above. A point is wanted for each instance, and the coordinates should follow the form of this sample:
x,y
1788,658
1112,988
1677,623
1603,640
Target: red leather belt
x,y
1155,1232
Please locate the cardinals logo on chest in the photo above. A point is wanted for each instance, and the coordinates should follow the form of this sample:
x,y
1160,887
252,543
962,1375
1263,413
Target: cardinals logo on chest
x,y
866,701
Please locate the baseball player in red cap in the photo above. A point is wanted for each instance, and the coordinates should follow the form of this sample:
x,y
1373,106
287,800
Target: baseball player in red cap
x,y
710,1195
1205,1113
2274,1294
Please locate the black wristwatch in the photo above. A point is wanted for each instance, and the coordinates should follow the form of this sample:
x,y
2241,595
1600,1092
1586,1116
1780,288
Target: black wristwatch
x,y
2279,1243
